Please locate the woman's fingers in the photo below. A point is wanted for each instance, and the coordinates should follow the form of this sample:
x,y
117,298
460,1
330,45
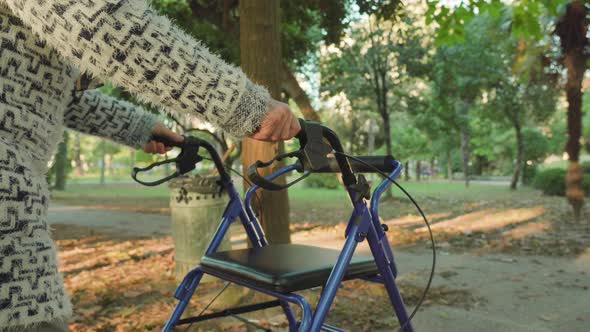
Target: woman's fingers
x,y
279,123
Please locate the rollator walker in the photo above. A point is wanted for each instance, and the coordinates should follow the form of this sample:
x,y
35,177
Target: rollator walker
x,y
282,270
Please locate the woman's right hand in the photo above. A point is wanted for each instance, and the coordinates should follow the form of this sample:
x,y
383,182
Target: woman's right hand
x,y
279,123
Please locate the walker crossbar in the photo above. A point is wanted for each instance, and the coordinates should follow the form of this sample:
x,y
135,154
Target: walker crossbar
x,y
260,269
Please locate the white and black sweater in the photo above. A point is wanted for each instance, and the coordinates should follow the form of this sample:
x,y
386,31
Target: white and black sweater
x,y
44,46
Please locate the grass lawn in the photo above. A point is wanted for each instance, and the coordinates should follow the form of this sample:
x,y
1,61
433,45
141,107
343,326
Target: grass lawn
x,y
431,189
308,205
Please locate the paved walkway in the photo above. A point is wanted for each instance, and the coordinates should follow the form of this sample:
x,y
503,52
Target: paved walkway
x,y
121,222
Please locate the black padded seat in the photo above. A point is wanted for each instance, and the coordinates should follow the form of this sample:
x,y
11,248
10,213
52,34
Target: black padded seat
x,y
284,268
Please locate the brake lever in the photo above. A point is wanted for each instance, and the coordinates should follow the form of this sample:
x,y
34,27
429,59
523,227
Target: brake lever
x,y
266,183
311,156
137,170
186,160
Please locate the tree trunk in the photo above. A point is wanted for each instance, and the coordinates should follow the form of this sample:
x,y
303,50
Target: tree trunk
x,y
388,148
576,66
519,157
260,58
465,153
110,164
449,165
572,30
78,155
294,90
433,161
407,170
103,161
61,163
418,170
132,159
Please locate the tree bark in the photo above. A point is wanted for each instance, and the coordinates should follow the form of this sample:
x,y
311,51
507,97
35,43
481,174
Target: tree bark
x,y
132,159
407,170
388,148
103,161
260,58
572,30
465,153
61,163
78,155
418,170
449,165
463,110
576,66
519,157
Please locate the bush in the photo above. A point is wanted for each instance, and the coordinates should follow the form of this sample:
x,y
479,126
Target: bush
x,y
329,181
552,182
586,167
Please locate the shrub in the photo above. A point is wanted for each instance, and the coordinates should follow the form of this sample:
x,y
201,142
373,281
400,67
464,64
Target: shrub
x,y
329,181
552,182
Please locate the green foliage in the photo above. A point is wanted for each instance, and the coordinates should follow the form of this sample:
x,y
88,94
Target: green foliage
x,y
304,24
536,145
552,182
525,18
328,181
376,70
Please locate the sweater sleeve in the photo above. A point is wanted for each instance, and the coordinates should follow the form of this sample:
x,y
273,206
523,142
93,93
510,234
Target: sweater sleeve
x,y
95,113
128,43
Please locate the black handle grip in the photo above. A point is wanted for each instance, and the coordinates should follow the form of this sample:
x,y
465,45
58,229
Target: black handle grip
x,y
301,137
364,164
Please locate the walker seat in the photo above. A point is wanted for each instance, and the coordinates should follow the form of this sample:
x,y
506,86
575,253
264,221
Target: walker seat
x,y
284,268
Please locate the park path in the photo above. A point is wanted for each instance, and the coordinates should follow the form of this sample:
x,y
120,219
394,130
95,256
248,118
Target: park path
x,y
511,292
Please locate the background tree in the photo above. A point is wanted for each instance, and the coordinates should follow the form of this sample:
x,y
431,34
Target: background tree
x,y
530,19
572,30
460,72
375,68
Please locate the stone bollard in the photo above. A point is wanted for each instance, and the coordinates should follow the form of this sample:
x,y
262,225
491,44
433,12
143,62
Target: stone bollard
x,y
196,207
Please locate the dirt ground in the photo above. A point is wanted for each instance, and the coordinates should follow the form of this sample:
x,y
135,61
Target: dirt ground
x,y
502,265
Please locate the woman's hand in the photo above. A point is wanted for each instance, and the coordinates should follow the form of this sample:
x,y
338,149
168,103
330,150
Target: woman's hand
x,y
156,147
279,124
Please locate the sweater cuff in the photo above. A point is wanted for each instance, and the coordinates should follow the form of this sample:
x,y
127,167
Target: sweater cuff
x,y
142,130
251,109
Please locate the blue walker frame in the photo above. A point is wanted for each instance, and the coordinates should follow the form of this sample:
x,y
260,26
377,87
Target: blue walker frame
x,y
363,223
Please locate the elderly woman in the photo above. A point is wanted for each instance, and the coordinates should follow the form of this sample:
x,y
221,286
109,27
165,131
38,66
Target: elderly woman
x,y
45,46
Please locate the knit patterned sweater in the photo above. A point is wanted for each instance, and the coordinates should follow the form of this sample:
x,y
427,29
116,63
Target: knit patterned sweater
x,y
44,47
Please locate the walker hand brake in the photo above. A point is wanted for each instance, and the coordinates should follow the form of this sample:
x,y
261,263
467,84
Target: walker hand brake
x,y
312,155
185,162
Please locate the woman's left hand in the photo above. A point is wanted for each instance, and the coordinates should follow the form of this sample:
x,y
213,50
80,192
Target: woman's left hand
x,y
156,147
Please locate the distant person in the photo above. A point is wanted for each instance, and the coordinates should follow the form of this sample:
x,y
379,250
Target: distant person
x,y
45,46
